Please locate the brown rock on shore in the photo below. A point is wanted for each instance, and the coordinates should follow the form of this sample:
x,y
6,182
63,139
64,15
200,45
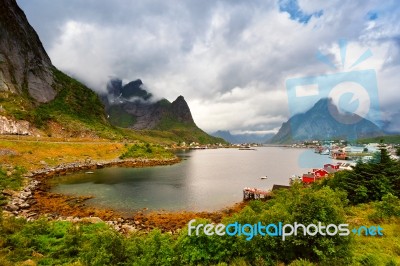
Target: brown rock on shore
x,y
36,200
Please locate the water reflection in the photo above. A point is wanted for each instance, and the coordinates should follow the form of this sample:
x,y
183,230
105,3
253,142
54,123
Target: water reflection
x,y
204,180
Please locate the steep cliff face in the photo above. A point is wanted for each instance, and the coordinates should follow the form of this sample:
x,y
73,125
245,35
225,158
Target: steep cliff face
x,y
181,111
24,64
10,127
131,106
33,90
36,98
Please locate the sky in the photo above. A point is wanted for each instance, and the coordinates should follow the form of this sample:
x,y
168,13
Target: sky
x,y
230,59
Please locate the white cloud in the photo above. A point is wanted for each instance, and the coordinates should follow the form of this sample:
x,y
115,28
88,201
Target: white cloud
x,y
230,59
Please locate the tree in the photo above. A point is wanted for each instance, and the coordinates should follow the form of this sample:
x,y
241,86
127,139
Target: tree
x,y
295,205
385,157
398,151
369,181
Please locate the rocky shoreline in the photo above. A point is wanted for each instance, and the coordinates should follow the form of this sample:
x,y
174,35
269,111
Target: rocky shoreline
x,y
33,201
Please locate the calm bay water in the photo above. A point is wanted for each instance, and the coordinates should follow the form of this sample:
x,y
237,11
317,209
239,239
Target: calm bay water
x,y
205,180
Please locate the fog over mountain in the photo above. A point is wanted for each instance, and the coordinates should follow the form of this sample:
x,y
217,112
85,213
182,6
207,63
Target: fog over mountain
x,y
230,59
131,106
324,122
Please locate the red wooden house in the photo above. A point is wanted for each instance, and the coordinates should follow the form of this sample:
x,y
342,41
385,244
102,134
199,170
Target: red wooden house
x,y
339,155
330,168
333,166
316,174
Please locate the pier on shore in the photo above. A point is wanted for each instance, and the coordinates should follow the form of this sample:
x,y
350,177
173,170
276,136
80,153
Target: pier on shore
x,y
254,193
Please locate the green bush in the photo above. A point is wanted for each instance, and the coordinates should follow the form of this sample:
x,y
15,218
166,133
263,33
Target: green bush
x,y
369,260
148,151
153,249
203,249
58,243
309,206
301,262
10,180
392,262
387,208
23,239
368,181
301,205
104,248
13,179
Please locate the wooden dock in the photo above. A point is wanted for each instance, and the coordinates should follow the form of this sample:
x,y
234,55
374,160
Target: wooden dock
x,y
254,193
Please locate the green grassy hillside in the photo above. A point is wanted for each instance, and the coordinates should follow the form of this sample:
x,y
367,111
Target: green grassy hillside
x,y
394,139
76,109
79,112
119,117
187,132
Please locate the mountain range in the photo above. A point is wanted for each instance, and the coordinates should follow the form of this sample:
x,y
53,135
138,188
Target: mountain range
x,y
131,106
242,138
324,121
37,98
40,99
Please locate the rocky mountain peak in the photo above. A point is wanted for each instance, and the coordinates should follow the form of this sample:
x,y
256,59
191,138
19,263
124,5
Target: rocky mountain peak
x,y
322,105
24,64
133,89
132,106
325,121
182,111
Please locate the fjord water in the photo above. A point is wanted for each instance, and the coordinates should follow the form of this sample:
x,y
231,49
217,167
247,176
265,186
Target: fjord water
x,y
205,180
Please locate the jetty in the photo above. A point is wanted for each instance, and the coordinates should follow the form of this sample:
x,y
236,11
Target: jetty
x,y
254,193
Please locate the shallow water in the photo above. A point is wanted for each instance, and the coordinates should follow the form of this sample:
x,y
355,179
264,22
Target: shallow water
x,y
205,180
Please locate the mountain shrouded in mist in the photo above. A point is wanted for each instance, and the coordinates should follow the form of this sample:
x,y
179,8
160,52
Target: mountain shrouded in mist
x,y
50,102
324,121
131,106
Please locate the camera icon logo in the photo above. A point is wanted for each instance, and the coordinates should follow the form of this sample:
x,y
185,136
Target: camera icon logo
x,y
353,97
353,93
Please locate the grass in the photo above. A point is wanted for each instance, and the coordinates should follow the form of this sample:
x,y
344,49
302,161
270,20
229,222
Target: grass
x,y
11,178
146,151
48,243
73,100
373,250
15,105
187,132
120,118
57,243
76,108
65,243
393,139
32,154
79,112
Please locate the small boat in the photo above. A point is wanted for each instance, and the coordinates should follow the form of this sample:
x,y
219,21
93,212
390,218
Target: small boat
x,y
89,172
264,177
325,152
